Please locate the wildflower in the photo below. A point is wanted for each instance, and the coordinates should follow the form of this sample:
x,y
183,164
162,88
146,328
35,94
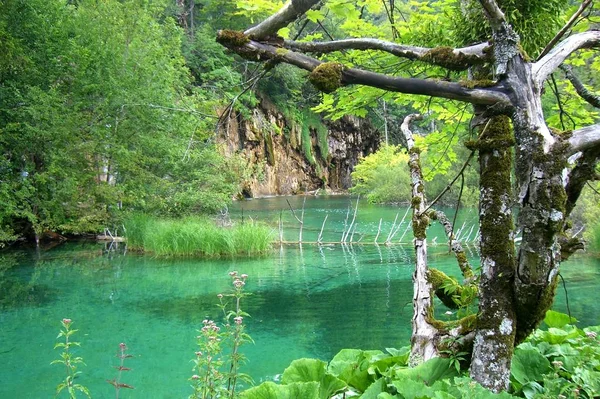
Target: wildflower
x,y
198,353
238,283
238,320
233,273
244,276
557,363
123,346
591,334
195,377
66,321
220,296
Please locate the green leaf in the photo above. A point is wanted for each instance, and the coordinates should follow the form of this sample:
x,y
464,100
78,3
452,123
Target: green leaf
x,y
306,370
352,366
270,390
429,372
528,365
557,319
375,389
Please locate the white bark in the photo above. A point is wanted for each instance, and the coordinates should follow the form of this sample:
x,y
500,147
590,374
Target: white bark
x,y
551,61
423,333
288,13
585,138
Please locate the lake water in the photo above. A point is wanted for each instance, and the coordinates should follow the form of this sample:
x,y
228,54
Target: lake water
x,y
308,301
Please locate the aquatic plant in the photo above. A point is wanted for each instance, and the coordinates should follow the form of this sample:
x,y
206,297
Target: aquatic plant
x,y
116,382
197,236
216,373
69,361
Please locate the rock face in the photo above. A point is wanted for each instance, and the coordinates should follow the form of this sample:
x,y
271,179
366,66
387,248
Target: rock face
x,y
273,147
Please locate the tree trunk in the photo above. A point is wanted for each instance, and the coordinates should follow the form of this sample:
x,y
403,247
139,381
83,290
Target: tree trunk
x,y
496,322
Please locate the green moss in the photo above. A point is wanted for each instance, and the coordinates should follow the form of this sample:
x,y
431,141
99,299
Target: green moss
x,y
281,51
419,225
232,38
471,84
415,202
415,150
327,77
445,57
270,153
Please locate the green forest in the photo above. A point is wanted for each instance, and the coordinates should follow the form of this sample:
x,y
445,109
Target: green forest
x,y
117,115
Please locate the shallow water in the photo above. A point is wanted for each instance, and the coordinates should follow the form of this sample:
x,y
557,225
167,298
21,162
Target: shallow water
x,y
306,302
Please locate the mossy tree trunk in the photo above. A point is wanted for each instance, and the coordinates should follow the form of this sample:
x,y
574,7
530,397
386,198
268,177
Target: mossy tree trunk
x,y
496,321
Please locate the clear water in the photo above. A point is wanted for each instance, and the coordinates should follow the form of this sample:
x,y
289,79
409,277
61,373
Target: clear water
x,y
307,302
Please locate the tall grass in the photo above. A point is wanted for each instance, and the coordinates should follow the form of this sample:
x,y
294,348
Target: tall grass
x,y
196,236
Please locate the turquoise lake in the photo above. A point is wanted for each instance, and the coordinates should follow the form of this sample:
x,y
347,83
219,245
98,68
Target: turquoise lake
x,y
307,301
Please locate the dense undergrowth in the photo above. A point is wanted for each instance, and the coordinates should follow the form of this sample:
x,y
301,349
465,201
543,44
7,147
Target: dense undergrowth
x,y
561,361
196,236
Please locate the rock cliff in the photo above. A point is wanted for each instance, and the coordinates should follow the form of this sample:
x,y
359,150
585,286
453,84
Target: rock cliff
x,y
291,157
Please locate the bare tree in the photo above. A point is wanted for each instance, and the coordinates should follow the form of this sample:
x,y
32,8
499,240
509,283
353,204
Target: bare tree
x,y
517,285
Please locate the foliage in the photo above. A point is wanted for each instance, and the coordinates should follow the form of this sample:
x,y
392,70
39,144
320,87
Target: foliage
x,y
98,115
562,360
383,176
196,236
69,361
216,374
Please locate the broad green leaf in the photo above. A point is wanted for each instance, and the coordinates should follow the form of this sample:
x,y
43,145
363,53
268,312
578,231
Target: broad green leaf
x,y
557,319
306,370
428,372
270,390
352,366
528,365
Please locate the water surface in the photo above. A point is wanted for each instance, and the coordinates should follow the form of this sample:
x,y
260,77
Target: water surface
x,y
307,301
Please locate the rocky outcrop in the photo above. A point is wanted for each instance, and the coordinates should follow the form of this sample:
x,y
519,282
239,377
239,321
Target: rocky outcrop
x,y
282,164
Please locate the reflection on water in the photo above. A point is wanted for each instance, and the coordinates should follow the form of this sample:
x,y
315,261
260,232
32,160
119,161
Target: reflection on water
x,y
307,301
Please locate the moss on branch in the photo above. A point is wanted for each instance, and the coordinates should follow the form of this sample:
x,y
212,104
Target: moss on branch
x,y
447,58
233,38
327,77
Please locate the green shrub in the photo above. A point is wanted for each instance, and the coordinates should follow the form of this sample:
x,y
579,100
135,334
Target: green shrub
x,y
383,177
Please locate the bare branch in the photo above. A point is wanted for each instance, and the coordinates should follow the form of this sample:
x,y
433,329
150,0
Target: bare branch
x,y
455,244
565,28
459,58
585,138
587,95
548,64
493,13
582,173
288,13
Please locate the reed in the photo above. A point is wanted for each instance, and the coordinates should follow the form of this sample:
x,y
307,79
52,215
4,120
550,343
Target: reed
x,y
197,236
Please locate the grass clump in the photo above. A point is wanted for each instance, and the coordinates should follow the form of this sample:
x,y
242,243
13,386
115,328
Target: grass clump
x,y
196,236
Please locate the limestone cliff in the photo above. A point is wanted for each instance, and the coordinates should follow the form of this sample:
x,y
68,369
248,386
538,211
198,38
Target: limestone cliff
x,y
283,163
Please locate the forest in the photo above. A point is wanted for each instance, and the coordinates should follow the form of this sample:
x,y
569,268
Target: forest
x,y
129,115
